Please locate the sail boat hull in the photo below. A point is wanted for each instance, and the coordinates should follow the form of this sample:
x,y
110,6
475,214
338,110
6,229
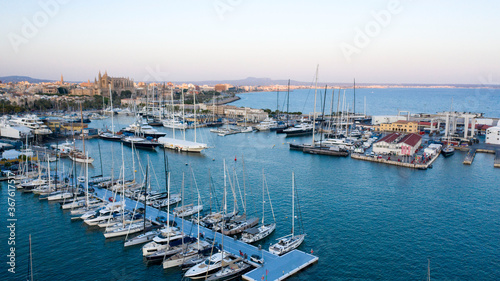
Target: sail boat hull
x,y
287,244
181,145
253,235
110,137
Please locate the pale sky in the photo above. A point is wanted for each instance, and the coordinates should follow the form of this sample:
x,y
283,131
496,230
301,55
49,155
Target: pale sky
x,y
375,41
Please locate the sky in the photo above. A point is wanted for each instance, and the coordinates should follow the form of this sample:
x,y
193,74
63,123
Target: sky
x,y
391,41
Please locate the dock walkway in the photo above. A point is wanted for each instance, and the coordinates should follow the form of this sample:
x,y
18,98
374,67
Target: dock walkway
x,y
483,148
496,163
469,158
276,267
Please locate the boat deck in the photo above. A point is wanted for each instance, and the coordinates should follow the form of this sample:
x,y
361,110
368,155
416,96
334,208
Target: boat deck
x,y
277,267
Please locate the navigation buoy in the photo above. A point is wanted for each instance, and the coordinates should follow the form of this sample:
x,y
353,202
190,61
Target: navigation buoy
x,y
234,158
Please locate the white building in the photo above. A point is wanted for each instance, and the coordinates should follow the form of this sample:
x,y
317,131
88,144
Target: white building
x,y
398,144
383,119
493,135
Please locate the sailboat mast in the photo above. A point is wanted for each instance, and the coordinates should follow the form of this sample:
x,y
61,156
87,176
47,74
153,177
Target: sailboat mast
x,y
123,187
293,203
277,101
183,115
133,161
100,156
244,188
87,182
314,112
338,120
169,197
263,200
194,108
146,195
198,219
287,102
112,111
172,99
225,193
323,117
354,107
83,135
331,110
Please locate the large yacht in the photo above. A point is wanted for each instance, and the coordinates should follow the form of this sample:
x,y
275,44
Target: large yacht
x,y
14,131
32,122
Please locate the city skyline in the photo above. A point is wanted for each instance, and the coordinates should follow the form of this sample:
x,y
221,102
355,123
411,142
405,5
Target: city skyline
x,y
378,42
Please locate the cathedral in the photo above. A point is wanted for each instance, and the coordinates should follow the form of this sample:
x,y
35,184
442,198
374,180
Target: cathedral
x,y
117,84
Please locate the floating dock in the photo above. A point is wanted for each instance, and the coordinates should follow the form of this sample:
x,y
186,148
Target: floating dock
x,y
274,267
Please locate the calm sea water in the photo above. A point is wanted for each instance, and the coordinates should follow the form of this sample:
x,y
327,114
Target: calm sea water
x,y
365,221
382,101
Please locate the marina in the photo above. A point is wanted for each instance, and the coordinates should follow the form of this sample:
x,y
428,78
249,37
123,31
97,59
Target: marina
x,y
277,267
182,140
352,201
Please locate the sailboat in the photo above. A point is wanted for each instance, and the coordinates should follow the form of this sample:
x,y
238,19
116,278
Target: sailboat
x,y
189,209
133,224
183,145
78,156
255,234
236,223
110,135
192,251
449,150
213,263
302,146
292,241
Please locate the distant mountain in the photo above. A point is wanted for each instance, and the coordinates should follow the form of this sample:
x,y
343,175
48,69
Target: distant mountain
x,y
14,79
250,81
253,81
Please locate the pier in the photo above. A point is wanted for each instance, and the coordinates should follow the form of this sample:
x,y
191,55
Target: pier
x,y
483,148
469,158
274,267
396,163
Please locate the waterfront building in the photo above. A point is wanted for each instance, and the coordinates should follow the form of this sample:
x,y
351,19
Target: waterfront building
x,y
230,111
401,126
84,92
222,87
383,119
493,135
398,144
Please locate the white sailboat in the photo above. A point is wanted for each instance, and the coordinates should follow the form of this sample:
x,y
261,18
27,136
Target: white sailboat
x,y
192,251
292,241
213,263
255,234
189,209
183,145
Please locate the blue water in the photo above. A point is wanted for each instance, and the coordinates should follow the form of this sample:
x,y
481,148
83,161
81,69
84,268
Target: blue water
x,y
382,101
365,221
